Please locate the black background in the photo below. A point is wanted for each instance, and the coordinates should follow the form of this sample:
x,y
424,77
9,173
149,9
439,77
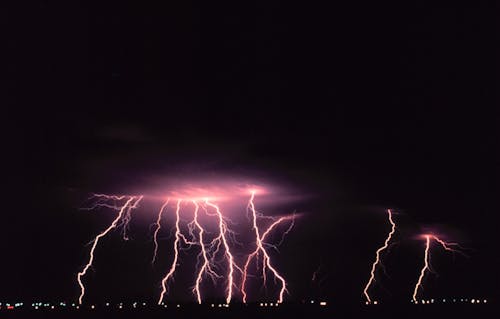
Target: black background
x,y
365,105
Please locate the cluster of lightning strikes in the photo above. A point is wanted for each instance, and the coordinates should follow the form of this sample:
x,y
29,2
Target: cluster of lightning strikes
x,y
427,266
216,259
377,257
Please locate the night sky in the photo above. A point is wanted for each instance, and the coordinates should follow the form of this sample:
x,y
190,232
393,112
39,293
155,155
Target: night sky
x,y
361,106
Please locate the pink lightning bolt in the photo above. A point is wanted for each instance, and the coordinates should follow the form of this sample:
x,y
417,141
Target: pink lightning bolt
x,y
377,257
205,267
260,248
157,229
178,236
223,230
124,211
424,269
427,266
315,273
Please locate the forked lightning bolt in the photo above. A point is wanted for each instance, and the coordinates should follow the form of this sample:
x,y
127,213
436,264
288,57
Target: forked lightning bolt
x,y
266,260
223,232
206,267
123,217
427,266
377,257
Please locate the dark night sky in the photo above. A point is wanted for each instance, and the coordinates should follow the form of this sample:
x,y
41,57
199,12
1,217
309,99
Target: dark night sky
x,y
366,106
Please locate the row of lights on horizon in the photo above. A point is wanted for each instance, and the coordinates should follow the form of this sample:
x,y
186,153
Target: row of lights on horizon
x,y
40,305
465,300
432,301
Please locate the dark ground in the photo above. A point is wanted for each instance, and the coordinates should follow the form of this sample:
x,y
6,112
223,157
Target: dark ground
x,y
283,312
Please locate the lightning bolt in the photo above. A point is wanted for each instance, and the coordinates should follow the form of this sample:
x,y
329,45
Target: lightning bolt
x,y
223,231
315,273
157,229
205,267
377,257
178,236
266,261
123,217
427,266
424,269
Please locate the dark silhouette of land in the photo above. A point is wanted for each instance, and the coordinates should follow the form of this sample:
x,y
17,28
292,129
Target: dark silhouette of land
x,y
285,311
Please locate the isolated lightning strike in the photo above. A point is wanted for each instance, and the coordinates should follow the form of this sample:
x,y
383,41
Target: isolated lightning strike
x,y
121,219
427,266
266,260
377,257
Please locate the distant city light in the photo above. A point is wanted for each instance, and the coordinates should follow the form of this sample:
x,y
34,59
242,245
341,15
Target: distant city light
x,y
144,305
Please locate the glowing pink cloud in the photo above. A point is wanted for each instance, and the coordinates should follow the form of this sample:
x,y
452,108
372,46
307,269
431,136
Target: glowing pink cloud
x,y
218,188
